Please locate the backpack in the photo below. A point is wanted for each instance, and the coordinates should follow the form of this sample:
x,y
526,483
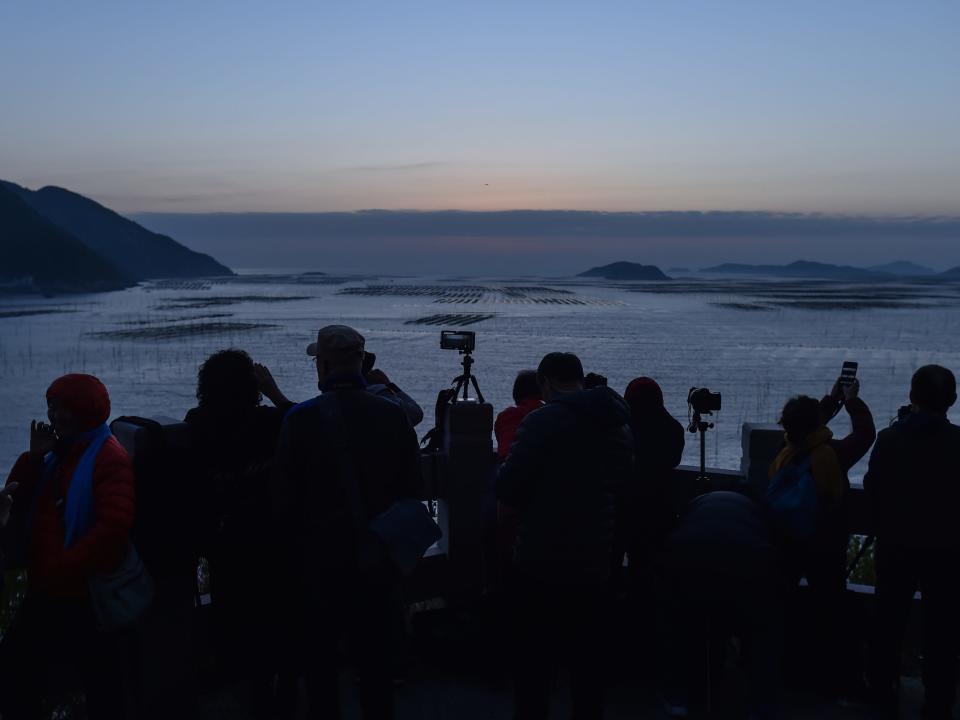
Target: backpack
x,y
791,500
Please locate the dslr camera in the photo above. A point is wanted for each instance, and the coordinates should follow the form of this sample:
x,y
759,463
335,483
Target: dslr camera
x,y
703,401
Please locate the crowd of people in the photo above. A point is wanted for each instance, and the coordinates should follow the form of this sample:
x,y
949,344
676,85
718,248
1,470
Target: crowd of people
x,y
586,506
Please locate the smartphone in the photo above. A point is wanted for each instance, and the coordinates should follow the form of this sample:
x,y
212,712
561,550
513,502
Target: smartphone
x,y
848,373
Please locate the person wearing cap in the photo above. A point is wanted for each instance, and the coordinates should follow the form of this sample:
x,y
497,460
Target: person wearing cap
x,y
73,507
562,473
376,381
646,510
327,487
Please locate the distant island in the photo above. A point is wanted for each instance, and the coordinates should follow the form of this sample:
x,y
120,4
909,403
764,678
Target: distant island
x,y
625,271
56,241
903,268
804,269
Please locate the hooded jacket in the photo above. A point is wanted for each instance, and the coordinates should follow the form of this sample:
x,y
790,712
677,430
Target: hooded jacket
x,y
53,569
913,482
566,464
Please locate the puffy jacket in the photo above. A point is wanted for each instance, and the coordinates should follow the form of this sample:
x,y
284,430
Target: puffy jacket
x,y
507,422
913,482
313,514
565,466
63,572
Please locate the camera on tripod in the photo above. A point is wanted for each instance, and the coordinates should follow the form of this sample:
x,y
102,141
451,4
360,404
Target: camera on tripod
x,y
703,401
700,402
463,340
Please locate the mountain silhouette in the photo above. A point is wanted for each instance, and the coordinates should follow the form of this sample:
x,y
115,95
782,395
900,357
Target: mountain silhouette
x,y
799,269
136,251
625,271
39,255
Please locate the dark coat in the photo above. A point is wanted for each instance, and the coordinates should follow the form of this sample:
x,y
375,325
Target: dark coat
x,y
913,482
724,533
648,507
565,466
313,514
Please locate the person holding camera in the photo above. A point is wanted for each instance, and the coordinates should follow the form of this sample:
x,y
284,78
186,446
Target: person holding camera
x,y
646,510
822,557
73,505
562,473
914,487
376,381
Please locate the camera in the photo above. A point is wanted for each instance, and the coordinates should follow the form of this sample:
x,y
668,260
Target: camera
x,y
369,360
594,380
463,340
703,401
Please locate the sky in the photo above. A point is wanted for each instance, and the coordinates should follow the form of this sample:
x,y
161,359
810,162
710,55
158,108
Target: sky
x,y
847,108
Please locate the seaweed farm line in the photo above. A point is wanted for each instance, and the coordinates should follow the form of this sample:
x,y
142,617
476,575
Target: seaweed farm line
x,y
755,341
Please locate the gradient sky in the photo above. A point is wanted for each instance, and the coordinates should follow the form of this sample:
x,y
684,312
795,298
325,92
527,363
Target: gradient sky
x,y
849,107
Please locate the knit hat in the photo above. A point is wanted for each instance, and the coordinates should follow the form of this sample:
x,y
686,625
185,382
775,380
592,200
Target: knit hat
x,y
85,396
643,393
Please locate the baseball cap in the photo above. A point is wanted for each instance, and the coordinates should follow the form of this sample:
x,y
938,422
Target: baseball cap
x,y
337,341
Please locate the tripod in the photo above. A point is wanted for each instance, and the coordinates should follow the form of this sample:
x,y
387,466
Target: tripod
x,y
463,382
699,425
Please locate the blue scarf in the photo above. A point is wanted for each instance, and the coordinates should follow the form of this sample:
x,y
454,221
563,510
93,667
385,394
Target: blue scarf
x,y
78,513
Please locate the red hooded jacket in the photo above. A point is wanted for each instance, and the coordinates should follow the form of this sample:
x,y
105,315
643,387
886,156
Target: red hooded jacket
x,y
53,569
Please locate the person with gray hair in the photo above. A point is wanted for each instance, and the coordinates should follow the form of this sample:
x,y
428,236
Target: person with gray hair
x,y
913,482
343,458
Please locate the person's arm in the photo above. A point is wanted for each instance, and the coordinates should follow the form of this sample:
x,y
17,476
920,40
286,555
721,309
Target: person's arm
x,y
876,482
409,477
102,547
380,385
269,389
862,433
6,502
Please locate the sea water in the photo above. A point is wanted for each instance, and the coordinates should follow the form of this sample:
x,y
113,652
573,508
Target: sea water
x,y
757,342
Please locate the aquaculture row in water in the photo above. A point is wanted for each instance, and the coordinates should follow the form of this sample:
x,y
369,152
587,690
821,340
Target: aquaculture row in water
x,y
459,319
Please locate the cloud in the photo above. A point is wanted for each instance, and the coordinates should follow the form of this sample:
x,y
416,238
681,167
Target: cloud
x,y
397,167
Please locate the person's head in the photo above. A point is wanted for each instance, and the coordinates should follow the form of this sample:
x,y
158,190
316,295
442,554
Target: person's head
x,y
525,387
559,372
643,394
800,418
77,403
933,389
226,382
338,351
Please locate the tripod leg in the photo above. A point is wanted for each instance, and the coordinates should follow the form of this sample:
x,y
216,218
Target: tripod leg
x,y
476,386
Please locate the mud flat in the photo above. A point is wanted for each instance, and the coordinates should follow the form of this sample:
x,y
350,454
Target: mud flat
x,y
170,332
27,312
198,303
473,294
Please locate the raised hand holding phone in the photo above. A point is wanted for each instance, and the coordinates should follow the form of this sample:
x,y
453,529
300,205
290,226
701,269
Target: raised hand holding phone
x,y
42,439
